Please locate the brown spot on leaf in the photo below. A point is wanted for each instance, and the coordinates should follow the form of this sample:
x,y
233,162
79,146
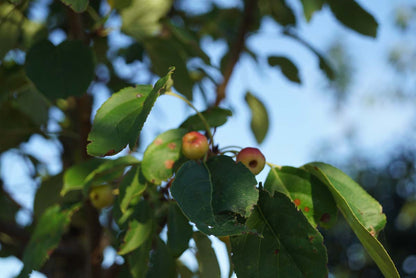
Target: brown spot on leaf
x,y
169,163
276,251
306,209
297,202
158,142
311,238
110,152
325,217
172,145
139,95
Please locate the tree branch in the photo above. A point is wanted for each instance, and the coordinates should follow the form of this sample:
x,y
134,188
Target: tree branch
x,y
237,48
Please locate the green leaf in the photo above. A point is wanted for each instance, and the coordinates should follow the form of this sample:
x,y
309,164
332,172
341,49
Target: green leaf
x,y
287,246
183,270
161,263
34,105
207,260
353,16
60,71
76,5
279,10
308,194
215,117
179,230
138,260
362,212
15,127
120,119
259,118
8,205
74,177
11,20
216,196
136,235
45,238
310,7
288,68
173,55
131,187
161,157
47,194
141,19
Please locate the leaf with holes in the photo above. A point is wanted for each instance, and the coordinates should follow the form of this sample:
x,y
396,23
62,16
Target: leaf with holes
x,y
259,117
163,155
308,194
286,244
362,212
120,119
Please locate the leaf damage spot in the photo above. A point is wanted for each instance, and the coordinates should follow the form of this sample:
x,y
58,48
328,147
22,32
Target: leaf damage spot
x,y
169,163
139,95
158,141
325,217
297,202
306,209
276,251
110,152
172,146
311,238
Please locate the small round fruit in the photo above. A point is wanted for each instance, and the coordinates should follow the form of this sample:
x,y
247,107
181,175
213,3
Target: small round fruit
x,y
194,145
253,159
101,196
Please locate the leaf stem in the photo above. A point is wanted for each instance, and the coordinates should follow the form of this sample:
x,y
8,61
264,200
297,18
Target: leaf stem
x,y
273,165
204,121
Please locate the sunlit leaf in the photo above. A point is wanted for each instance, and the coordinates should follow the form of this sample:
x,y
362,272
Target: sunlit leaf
x,y
131,187
161,156
309,195
60,71
10,19
286,246
136,235
259,117
362,212
120,119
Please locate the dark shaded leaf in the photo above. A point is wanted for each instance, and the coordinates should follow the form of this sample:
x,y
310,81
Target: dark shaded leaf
x,y
11,19
353,16
179,230
76,5
259,117
138,260
47,194
215,117
60,71
286,246
161,263
207,260
287,67
279,11
310,7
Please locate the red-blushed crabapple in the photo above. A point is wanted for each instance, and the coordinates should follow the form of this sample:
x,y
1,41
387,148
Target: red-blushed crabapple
x,y
101,196
253,159
194,145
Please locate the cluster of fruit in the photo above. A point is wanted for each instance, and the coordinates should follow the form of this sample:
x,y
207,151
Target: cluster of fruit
x,y
194,146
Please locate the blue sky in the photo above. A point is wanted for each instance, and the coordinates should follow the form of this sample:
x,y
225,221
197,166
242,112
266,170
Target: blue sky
x,y
301,116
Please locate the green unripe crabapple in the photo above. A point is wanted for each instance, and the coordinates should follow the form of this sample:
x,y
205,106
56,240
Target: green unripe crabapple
x,y
253,159
101,196
194,145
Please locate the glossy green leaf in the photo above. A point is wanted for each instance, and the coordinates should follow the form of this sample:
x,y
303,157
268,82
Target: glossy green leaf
x,y
10,19
353,16
120,119
161,157
60,71
45,238
138,260
215,117
76,5
161,264
131,187
207,260
215,196
287,67
362,212
286,246
308,194
74,177
179,230
259,117
310,7
142,18
136,235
